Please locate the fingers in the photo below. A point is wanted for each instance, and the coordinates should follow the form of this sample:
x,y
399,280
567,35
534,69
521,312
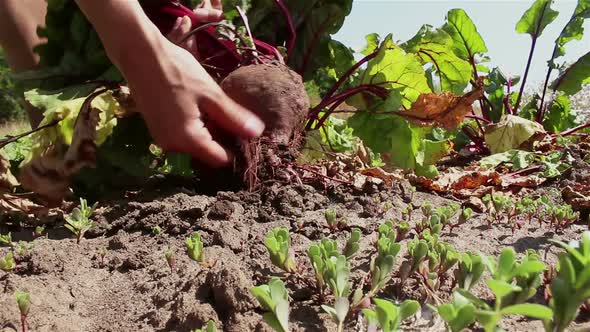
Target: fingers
x,y
231,116
216,4
181,27
201,146
208,15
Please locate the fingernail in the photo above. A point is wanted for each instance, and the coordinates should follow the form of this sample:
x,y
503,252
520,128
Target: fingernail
x,y
254,126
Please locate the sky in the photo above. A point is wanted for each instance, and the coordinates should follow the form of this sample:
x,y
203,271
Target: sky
x,y
495,21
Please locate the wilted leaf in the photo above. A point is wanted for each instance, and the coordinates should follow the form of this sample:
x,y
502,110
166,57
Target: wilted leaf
x,y
578,198
536,18
519,159
528,181
442,110
11,203
460,181
510,133
7,180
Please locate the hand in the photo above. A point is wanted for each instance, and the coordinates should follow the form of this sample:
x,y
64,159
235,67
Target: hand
x,y
208,11
176,100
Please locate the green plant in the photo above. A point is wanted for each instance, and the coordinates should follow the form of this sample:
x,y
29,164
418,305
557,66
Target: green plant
x,y
527,206
170,259
274,298
78,222
469,270
441,258
6,239
7,263
522,277
417,252
464,217
38,232
330,267
497,205
389,316
278,243
459,314
402,229
352,245
333,220
338,312
23,301
562,216
210,327
194,247
570,289
156,230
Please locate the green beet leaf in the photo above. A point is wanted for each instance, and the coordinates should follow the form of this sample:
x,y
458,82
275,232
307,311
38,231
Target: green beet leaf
x,y
436,47
467,40
536,18
574,77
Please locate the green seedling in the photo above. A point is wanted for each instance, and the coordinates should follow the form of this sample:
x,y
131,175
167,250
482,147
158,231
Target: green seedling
x,y
427,209
497,205
523,277
210,327
469,270
330,267
417,252
562,216
402,229
156,230
352,245
388,316
6,239
459,314
78,222
489,317
38,232
332,219
170,259
7,263
570,289
464,217
441,258
338,312
527,207
387,206
22,248
194,247
274,298
24,305
278,244
382,265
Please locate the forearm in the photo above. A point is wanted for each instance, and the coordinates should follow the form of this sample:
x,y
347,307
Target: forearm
x,y
18,31
129,37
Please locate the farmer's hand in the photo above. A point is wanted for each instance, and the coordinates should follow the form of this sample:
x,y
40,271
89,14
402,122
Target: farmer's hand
x,y
172,90
177,100
207,12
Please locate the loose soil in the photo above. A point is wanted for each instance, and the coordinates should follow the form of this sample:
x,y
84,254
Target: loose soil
x,y
131,288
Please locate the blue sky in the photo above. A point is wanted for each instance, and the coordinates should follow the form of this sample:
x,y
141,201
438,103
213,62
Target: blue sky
x,y
495,21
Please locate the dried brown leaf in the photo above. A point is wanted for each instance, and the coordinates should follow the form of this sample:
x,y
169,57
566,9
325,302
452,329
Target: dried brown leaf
x,y
443,110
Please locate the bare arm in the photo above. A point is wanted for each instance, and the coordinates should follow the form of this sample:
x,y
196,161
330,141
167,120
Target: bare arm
x,y
172,90
18,31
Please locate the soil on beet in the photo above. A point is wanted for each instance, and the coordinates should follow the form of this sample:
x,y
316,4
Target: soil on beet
x,y
74,288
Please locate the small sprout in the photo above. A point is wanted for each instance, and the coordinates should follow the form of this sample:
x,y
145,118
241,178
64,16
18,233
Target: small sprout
x,y
563,216
7,263
333,221
22,248
170,259
338,312
38,232
387,206
382,265
102,253
464,217
402,229
24,305
210,327
278,244
469,271
427,209
459,314
330,267
6,239
156,230
418,252
352,245
78,222
194,247
274,298
388,316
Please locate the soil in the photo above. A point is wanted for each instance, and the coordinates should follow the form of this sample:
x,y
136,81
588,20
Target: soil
x,y
117,278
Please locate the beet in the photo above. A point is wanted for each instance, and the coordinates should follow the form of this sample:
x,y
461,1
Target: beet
x,y
275,93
